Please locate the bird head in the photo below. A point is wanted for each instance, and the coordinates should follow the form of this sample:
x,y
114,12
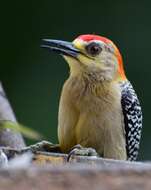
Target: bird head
x,y
90,55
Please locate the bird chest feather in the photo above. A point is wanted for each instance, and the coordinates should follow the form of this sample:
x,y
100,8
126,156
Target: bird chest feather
x,y
96,109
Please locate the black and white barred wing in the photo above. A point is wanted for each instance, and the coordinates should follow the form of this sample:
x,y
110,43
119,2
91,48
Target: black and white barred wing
x,y
132,119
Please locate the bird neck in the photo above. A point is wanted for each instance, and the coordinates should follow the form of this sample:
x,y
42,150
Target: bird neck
x,y
92,76
89,83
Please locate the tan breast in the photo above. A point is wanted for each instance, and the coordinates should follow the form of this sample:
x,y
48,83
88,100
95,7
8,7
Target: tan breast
x,y
99,119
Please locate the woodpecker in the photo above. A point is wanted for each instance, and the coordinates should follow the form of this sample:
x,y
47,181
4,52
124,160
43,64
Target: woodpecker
x,y
98,106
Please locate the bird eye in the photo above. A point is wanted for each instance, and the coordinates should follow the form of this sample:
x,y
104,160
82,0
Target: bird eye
x,y
93,49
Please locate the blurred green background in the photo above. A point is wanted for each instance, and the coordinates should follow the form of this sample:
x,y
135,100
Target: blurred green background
x,y
33,77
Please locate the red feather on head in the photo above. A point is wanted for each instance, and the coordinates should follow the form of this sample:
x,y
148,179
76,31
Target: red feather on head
x,y
90,37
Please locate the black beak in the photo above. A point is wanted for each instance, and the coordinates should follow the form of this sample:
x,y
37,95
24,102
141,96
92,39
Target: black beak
x,y
61,47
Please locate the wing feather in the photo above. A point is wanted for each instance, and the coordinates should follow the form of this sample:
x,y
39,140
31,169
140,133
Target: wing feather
x,y
132,119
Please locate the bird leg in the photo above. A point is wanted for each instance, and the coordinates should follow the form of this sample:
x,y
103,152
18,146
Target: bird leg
x,y
78,150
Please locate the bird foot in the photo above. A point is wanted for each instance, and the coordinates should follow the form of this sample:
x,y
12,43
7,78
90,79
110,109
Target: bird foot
x,y
45,146
78,150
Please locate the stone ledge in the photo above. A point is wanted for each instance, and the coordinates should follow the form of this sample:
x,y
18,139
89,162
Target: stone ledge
x,y
75,177
52,171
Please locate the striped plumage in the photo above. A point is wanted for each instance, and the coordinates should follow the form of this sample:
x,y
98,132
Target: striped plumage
x,y
132,119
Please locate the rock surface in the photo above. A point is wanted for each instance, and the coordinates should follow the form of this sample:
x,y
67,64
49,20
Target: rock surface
x,y
74,177
52,171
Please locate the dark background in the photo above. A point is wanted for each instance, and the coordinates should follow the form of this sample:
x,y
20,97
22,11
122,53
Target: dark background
x,y
32,77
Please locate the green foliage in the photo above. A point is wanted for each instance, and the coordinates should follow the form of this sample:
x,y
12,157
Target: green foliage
x,y
25,131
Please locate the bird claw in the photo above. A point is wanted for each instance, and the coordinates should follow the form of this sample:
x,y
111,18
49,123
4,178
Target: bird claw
x,y
78,150
45,146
